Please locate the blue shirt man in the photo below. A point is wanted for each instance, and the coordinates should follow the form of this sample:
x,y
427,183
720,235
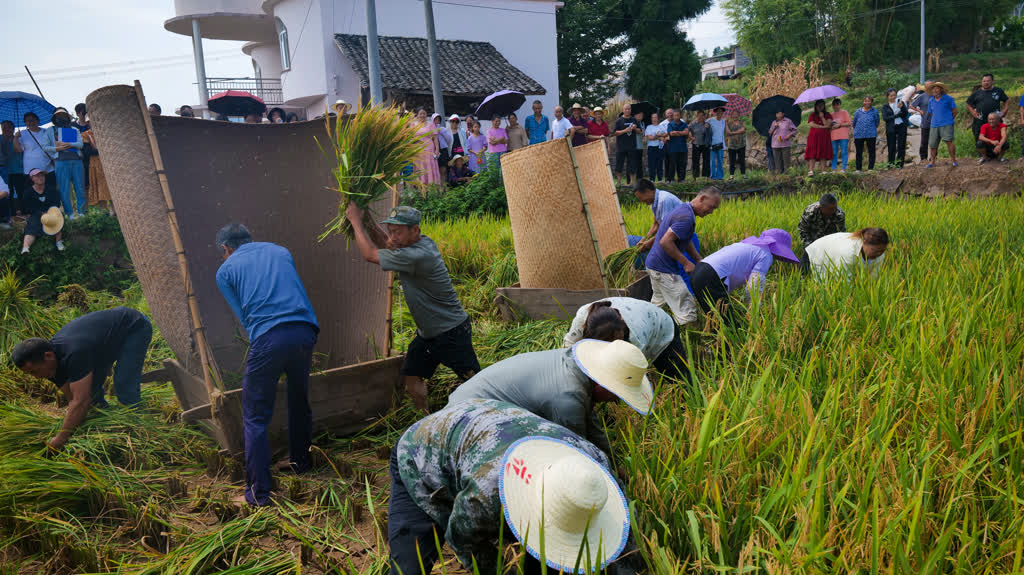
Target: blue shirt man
x,y
943,110
676,143
260,282
537,126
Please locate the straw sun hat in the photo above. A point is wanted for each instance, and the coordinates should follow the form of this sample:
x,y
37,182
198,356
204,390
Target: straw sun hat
x,y
618,366
577,498
52,220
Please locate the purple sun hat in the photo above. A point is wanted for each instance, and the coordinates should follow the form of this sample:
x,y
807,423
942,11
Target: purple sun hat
x,y
777,241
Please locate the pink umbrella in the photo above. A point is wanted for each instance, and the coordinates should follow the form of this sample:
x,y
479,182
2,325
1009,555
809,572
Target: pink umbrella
x,y
820,93
737,104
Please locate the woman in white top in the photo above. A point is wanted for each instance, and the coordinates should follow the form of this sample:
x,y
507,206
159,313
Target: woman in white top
x,y
33,142
842,253
444,139
639,322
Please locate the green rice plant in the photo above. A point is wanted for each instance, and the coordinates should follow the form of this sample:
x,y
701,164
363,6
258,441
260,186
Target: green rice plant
x,y
370,150
21,316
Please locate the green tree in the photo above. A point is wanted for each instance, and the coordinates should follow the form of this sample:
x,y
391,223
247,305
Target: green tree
x,y
665,67
590,48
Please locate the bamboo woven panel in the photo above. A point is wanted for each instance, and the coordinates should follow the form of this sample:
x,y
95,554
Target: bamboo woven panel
x,y
605,212
120,132
554,248
274,179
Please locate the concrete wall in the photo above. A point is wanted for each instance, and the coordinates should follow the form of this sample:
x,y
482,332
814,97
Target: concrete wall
x,y
268,56
524,32
305,83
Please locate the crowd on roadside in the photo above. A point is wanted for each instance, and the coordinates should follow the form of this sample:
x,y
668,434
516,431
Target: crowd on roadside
x,y
699,142
47,174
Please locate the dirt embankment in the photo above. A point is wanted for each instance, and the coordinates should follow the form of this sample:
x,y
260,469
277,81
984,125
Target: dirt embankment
x,y
968,179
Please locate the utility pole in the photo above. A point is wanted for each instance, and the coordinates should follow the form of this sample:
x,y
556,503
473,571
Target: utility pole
x,y
197,54
435,60
373,53
922,42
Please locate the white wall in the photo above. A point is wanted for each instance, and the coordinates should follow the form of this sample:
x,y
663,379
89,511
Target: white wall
x,y
268,57
525,35
306,81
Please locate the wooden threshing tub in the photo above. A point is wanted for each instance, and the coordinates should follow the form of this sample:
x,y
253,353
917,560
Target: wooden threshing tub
x,y
175,182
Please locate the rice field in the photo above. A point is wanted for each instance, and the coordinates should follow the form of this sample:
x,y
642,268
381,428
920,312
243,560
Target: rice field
x,y
865,427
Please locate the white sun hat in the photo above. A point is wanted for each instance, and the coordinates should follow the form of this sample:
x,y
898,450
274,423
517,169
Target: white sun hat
x,y
618,366
577,498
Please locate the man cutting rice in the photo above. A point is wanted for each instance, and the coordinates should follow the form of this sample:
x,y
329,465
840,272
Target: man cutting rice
x,y
444,334
79,357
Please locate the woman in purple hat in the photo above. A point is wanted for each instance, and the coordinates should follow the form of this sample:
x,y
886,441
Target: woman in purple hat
x,y
737,265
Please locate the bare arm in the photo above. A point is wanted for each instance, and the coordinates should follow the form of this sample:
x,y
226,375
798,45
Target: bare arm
x,y
668,243
363,241
79,394
19,149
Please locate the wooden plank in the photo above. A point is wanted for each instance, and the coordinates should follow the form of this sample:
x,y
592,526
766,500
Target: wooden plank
x,y
343,400
544,303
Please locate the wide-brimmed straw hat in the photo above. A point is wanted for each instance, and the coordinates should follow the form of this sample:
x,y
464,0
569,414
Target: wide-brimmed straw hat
x,y
778,242
597,109
939,85
577,107
577,498
618,366
451,162
52,220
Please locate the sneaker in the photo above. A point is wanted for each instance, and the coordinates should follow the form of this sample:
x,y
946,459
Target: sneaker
x,y
981,160
1002,160
955,164
72,216
60,245
930,166
24,249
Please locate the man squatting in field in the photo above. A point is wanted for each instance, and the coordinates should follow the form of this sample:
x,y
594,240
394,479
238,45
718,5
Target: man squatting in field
x,y
444,334
81,354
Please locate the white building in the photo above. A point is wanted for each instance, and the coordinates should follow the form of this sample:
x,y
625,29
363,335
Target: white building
x,y
725,64
308,53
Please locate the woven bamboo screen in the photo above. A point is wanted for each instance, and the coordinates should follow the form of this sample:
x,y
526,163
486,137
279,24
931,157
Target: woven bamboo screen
x,y
274,179
135,190
550,232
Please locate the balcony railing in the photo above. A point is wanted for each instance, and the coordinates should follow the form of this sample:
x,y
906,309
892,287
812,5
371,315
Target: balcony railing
x,y
268,90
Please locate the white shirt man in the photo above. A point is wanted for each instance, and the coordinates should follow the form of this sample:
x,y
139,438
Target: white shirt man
x,y
561,126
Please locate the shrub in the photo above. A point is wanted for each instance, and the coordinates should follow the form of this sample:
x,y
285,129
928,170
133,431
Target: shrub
x,y
484,194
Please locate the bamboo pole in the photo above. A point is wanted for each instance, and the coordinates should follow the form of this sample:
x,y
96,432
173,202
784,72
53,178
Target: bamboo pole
x,y
586,212
391,288
211,374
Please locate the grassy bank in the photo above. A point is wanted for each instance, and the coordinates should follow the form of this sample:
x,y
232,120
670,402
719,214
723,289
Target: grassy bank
x,y
867,427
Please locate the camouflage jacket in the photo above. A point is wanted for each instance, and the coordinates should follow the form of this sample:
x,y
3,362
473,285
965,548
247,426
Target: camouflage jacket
x,y
813,225
450,462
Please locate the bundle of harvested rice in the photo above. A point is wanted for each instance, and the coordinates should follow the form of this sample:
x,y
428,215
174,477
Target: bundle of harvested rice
x,y
371,150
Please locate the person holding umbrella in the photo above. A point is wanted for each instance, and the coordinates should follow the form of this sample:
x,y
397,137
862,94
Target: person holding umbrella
x,y
700,135
819,142
32,142
783,134
717,125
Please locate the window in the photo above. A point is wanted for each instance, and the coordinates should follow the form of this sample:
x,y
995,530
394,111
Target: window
x,y
282,44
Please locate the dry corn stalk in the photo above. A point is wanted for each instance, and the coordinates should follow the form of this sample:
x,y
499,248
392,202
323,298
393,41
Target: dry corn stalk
x,y
788,79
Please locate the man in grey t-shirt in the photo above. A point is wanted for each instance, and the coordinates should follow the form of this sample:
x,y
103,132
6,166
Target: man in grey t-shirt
x,y
443,331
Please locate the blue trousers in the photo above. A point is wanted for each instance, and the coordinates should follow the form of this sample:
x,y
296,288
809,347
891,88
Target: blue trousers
x,y
128,369
717,167
286,348
71,172
656,163
840,147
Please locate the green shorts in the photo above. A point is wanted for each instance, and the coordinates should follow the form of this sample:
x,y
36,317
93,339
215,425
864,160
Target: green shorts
x,y
944,133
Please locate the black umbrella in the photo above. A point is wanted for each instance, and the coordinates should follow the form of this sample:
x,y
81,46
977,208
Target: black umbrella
x,y
236,103
501,103
645,108
764,113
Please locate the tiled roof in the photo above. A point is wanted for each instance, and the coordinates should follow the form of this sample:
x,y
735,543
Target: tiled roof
x,y
467,68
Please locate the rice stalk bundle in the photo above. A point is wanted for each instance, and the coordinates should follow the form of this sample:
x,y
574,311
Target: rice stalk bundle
x,y
21,316
371,149
619,266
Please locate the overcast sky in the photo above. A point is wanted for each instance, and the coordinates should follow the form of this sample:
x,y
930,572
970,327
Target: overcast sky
x,y
76,46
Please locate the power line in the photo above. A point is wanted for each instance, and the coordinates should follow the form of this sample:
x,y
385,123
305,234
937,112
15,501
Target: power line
x,y
100,73
111,65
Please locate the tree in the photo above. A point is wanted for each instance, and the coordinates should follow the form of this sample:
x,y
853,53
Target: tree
x,y
665,66
590,49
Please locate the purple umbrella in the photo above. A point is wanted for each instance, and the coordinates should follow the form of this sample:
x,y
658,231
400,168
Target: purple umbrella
x,y
501,103
820,93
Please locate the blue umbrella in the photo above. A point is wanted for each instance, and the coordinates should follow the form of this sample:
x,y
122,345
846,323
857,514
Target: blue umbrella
x,y
14,105
500,103
705,101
